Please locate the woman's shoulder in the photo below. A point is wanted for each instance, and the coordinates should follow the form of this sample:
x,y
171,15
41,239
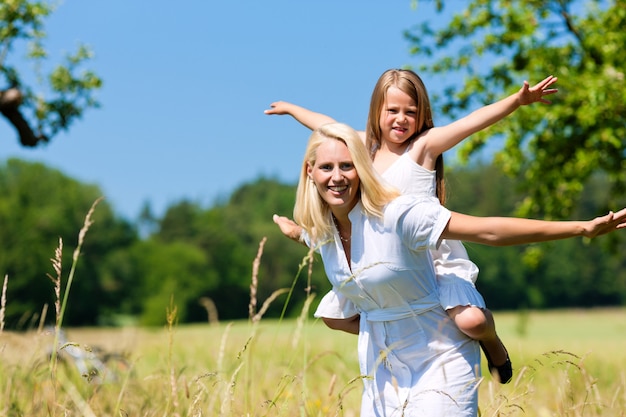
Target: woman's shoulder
x,y
406,202
416,219
413,199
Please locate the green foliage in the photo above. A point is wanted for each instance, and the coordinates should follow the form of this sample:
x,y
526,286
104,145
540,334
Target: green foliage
x,y
230,233
196,253
492,45
175,272
39,206
68,88
567,273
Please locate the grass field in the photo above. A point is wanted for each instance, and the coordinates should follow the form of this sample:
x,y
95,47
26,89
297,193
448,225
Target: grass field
x,y
567,363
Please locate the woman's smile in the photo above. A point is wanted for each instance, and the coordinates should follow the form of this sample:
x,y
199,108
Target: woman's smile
x,y
335,176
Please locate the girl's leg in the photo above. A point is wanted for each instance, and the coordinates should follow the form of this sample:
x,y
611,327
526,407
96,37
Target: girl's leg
x,y
479,324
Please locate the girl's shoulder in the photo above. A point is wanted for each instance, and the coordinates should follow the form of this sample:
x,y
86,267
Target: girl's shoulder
x,y
421,151
420,142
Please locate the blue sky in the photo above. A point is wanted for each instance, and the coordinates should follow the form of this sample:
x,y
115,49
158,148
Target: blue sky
x,y
186,83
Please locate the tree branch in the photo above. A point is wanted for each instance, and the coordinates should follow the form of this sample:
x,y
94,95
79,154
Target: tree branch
x,y
10,101
10,98
597,58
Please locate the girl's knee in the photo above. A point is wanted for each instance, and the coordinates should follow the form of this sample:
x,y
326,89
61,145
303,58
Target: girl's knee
x,y
472,320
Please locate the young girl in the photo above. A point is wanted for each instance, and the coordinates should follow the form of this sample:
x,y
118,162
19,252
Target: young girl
x,y
407,150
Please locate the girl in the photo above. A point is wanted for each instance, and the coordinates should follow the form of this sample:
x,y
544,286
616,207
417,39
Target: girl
x,y
407,150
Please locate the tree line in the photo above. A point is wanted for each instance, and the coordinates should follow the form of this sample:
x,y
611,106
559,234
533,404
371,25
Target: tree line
x,y
558,162
134,271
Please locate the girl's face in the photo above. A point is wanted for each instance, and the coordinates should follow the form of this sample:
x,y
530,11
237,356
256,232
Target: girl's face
x,y
398,118
335,176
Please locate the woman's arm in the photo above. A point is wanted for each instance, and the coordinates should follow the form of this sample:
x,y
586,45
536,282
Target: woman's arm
x,y
349,325
289,228
440,139
507,231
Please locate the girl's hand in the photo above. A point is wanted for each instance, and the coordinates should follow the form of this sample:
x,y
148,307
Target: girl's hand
x,y
279,107
529,95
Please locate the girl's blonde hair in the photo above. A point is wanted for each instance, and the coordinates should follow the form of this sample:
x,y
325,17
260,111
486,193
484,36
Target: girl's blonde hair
x,y
310,210
411,84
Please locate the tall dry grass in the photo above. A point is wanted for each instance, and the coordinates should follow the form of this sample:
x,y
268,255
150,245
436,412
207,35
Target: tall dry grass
x,y
3,302
568,363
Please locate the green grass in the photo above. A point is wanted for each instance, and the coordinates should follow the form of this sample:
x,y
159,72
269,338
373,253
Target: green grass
x,y
568,363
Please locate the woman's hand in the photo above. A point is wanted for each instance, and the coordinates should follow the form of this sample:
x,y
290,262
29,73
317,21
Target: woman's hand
x,y
288,227
605,224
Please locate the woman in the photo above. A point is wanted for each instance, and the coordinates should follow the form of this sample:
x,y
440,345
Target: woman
x,y
374,245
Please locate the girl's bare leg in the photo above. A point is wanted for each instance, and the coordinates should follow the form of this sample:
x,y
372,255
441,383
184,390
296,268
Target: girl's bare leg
x,y
479,324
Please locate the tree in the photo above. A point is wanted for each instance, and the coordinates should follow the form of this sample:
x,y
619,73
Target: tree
x,y
175,272
68,93
39,206
229,234
493,45
566,273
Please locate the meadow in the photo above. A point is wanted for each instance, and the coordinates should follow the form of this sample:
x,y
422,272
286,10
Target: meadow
x,y
566,363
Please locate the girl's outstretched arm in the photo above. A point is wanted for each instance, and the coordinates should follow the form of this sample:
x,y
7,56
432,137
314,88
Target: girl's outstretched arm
x,y
306,117
507,231
440,139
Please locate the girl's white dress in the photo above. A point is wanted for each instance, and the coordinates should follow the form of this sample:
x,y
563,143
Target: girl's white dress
x,y
413,359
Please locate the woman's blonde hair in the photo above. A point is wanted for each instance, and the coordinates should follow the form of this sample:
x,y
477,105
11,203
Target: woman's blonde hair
x,y
310,210
412,85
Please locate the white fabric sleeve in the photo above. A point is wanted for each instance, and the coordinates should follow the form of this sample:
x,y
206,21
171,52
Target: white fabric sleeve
x,y
335,305
422,223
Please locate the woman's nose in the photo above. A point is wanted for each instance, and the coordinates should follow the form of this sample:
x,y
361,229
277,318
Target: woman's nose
x,y
337,174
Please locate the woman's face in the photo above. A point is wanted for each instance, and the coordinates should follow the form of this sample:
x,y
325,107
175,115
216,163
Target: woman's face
x,y
398,118
335,176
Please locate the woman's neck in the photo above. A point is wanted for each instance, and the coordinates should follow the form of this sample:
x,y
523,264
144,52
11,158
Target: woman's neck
x,y
344,229
342,221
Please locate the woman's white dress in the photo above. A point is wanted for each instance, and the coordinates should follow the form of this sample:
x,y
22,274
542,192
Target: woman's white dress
x,y
413,359
455,272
